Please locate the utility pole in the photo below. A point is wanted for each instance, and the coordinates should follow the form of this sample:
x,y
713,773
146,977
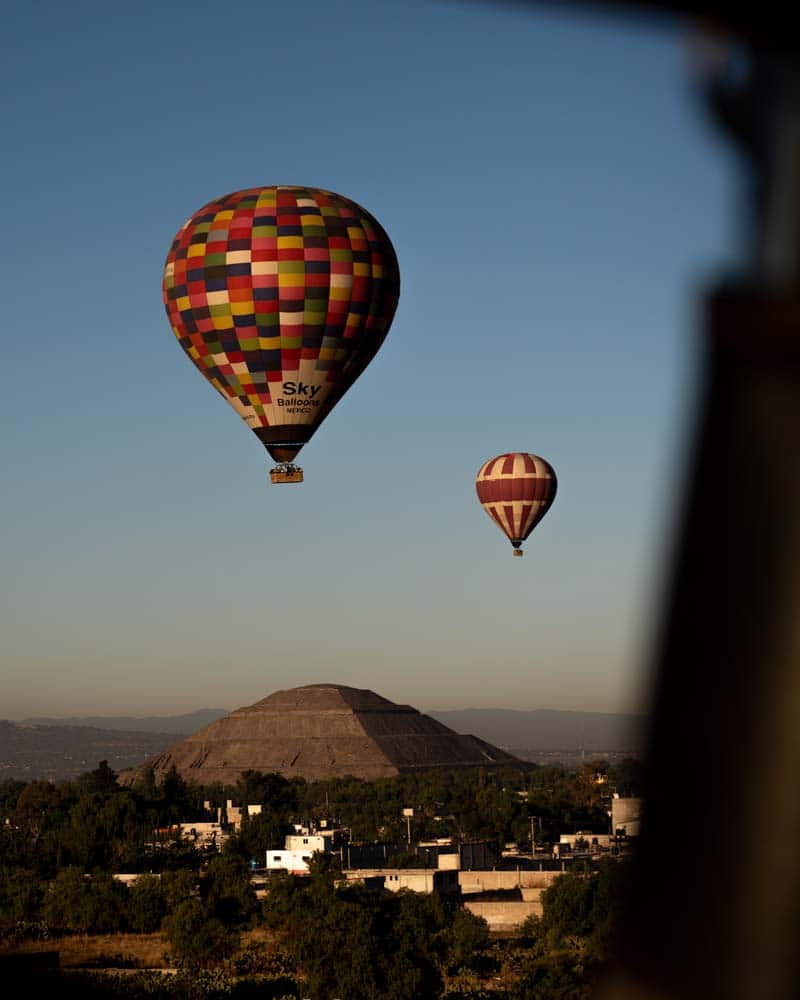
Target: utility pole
x,y
408,813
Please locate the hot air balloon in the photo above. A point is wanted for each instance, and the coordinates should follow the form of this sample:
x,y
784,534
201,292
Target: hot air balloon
x,y
281,296
516,490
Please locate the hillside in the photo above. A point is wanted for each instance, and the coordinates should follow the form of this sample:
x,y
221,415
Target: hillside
x,y
60,753
548,730
180,724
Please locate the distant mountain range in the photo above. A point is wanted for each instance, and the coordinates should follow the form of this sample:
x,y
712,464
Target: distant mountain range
x,y
61,749
540,729
184,725
61,753
548,730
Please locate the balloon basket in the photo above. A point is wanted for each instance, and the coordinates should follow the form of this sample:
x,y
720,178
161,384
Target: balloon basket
x,y
518,552
286,473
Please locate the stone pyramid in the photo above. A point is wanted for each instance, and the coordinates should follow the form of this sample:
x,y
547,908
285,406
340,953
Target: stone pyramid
x,y
324,731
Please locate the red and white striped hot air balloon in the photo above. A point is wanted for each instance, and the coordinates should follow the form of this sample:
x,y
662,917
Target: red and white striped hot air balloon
x,y
516,490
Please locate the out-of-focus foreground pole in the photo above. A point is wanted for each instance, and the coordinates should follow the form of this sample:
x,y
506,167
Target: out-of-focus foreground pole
x,y
715,911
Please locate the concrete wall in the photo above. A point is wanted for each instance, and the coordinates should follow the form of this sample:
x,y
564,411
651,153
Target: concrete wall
x,y
295,862
416,879
626,815
486,881
305,843
590,839
505,916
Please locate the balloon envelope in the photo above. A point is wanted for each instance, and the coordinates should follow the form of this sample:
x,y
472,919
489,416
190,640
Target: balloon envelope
x,y
516,490
281,296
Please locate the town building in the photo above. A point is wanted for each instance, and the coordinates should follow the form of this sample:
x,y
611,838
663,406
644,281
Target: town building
x,y
426,880
204,835
584,840
299,847
626,816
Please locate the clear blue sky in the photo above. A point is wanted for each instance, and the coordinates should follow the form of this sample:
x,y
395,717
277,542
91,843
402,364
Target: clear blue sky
x,y
556,199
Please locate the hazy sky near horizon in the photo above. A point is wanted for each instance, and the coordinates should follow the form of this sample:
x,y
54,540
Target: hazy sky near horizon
x,y
557,200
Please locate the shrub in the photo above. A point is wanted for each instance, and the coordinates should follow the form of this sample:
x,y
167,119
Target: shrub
x,y
196,938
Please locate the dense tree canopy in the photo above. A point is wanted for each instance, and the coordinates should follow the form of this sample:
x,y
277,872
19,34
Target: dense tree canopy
x,y
61,844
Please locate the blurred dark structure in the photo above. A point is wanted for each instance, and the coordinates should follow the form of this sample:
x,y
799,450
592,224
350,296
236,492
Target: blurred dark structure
x,y
722,919
715,911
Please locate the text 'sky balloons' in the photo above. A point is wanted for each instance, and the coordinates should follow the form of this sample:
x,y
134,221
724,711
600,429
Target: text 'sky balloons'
x,y
516,491
281,296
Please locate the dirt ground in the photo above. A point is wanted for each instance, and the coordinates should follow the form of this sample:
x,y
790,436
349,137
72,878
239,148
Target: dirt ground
x,y
132,951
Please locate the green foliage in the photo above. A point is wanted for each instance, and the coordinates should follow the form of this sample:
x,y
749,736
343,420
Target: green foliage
x,y
187,984
563,801
324,870
146,904
175,795
102,780
269,789
77,903
469,804
254,960
258,834
466,940
21,896
146,783
460,990
349,942
360,943
417,924
228,892
584,906
178,886
557,976
196,938
10,792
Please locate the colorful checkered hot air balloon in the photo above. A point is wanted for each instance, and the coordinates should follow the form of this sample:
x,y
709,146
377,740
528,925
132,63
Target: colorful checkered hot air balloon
x,y
281,296
516,490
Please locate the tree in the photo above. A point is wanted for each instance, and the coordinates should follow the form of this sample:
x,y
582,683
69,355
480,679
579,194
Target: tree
x,y
66,901
81,904
146,783
104,831
35,807
178,886
197,938
260,833
147,906
557,976
107,902
175,794
272,789
102,780
467,939
20,896
324,870
228,892
586,907
417,925
364,943
10,792
567,907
